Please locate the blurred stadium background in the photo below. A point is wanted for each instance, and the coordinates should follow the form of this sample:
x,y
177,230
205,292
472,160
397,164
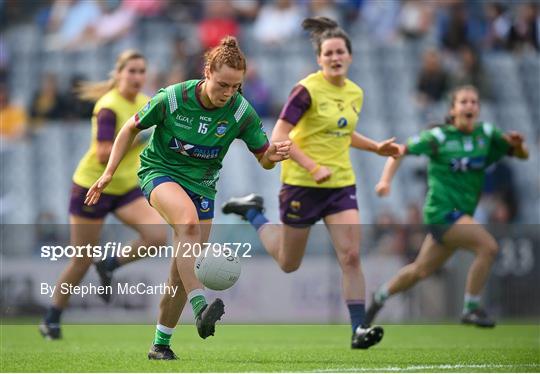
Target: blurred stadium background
x,y
407,57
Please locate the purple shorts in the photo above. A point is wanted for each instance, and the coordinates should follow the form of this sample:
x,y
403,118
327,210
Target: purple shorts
x,y
107,203
306,205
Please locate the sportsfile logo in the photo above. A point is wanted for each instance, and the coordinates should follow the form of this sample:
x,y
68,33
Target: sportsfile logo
x,y
117,249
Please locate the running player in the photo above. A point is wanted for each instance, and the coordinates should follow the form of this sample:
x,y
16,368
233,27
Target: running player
x,y
117,100
320,117
195,123
459,152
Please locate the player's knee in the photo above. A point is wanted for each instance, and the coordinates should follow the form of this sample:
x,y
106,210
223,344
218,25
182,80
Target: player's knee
x,y
156,236
419,272
289,267
350,259
190,228
490,250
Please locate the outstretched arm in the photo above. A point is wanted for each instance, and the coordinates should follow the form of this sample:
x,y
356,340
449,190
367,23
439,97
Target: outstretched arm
x,y
517,142
276,152
121,145
392,164
384,148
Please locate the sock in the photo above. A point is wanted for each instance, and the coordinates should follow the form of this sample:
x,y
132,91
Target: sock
x,y
382,294
163,335
471,303
357,311
111,263
197,300
256,218
52,317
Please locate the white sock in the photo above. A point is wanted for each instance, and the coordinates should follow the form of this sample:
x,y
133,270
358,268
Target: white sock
x,y
165,329
195,292
471,302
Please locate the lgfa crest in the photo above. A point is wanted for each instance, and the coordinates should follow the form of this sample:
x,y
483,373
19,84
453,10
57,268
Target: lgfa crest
x,y
205,205
221,128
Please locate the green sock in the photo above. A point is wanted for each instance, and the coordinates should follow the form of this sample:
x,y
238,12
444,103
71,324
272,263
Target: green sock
x,y
197,301
472,302
162,338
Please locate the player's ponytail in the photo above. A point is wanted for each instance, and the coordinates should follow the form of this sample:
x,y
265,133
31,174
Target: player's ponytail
x,y
92,91
227,52
449,119
323,28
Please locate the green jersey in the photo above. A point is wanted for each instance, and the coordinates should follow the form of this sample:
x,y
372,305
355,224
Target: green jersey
x,y
189,142
457,167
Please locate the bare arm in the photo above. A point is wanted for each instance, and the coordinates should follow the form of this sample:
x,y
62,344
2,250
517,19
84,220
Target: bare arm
x,y
320,173
276,152
517,141
392,164
120,147
103,151
384,148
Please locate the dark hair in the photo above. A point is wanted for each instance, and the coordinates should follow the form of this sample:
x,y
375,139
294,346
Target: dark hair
x,y
453,95
323,28
226,53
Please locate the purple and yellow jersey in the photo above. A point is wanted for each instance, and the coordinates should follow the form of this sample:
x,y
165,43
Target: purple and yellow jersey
x,y
190,141
110,113
457,163
324,117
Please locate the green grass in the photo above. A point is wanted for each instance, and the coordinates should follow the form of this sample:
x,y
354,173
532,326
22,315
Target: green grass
x,y
246,348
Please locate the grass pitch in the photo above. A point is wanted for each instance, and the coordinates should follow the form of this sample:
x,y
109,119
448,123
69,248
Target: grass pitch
x,y
264,348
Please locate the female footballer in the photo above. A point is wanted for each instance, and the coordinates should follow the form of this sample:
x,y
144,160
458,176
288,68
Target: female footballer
x,y
319,118
195,123
117,100
459,151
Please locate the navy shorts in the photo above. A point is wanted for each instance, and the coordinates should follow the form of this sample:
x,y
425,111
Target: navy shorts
x,y
438,231
204,205
304,206
107,203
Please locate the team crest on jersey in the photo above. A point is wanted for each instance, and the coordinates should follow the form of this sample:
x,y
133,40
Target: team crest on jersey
x,y
221,128
342,122
340,104
202,152
295,205
481,142
205,205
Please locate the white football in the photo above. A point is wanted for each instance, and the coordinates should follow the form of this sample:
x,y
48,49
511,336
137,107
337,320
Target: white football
x,y
217,272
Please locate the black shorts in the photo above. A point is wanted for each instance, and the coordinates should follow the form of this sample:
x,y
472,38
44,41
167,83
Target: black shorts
x,y
304,206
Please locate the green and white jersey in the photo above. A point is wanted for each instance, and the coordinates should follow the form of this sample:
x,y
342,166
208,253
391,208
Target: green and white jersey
x,y
189,142
457,167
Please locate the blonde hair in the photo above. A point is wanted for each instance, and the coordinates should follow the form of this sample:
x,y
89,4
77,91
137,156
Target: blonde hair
x,y
226,53
92,91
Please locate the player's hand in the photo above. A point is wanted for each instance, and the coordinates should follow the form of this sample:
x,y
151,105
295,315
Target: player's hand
x,y
92,197
389,148
514,138
382,189
322,174
279,151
